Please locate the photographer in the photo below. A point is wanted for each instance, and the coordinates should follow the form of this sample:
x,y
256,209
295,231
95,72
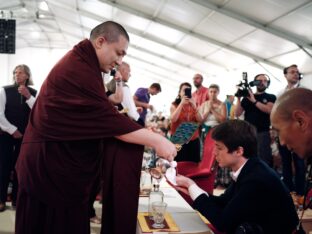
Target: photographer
x,y
257,108
183,109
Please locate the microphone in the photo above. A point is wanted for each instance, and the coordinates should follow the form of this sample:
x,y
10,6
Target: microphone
x,y
21,97
113,72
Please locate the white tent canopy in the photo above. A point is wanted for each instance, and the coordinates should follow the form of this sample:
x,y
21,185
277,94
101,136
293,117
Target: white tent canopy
x,y
171,40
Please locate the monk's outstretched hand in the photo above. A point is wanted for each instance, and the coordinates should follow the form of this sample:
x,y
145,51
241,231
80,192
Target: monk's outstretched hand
x,y
166,149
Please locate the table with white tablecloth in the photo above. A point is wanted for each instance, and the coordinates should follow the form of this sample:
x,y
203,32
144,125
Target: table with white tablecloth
x,y
186,218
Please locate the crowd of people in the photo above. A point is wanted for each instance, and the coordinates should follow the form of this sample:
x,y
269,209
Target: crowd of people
x,y
80,137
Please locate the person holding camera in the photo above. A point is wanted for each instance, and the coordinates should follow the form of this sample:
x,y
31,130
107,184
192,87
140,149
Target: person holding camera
x,y
184,109
257,108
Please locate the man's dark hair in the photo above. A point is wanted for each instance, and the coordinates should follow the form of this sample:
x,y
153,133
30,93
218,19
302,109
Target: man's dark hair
x,y
214,86
156,86
286,68
237,133
110,30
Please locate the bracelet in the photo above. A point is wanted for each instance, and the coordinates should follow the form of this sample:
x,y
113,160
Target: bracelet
x,y
255,102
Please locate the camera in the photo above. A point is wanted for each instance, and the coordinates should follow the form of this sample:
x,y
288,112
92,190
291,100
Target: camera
x,y
244,86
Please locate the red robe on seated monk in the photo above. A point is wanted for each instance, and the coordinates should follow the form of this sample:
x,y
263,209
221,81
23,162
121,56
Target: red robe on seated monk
x,y
70,132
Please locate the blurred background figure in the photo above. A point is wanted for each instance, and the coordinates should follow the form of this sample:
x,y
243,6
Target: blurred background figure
x,y
229,104
201,93
142,98
126,105
257,108
214,112
184,109
294,168
16,102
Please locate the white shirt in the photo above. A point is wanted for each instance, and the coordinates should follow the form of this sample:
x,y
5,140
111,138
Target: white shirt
x,y
5,125
235,174
289,88
128,103
196,191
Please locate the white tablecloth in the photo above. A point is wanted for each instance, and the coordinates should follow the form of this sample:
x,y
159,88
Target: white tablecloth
x,y
183,214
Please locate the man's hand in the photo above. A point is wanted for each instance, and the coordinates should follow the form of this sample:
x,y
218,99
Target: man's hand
x,y
139,109
184,99
23,90
17,135
150,107
117,76
251,97
183,183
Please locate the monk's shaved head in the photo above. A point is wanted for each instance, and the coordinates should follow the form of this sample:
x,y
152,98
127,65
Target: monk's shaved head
x,y
299,98
110,30
291,117
110,41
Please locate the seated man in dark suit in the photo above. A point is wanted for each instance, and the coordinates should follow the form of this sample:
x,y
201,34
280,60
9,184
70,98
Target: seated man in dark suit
x,y
256,195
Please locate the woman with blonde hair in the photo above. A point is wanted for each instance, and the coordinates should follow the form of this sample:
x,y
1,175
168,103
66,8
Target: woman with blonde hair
x,y
214,112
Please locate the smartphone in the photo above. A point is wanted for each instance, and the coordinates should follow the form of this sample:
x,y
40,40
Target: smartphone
x,y
188,92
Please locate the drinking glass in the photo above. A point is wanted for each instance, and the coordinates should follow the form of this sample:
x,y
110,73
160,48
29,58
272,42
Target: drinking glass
x,y
146,160
145,183
159,210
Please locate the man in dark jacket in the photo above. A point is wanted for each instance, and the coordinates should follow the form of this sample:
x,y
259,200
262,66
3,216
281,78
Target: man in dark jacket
x,y
257,195
16,102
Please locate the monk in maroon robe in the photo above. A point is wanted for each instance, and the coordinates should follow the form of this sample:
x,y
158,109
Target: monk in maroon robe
x,y
72,127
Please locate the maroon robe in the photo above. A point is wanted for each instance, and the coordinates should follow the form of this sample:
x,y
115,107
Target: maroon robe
x,y
72,126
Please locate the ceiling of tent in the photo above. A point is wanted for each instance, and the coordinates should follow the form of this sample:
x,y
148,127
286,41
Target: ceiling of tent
x,y
173,39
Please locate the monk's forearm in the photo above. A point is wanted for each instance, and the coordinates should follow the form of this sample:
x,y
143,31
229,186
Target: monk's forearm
x,y
163,147
141,137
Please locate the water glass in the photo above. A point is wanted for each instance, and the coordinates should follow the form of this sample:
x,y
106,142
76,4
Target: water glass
x,y
145,183
159,210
